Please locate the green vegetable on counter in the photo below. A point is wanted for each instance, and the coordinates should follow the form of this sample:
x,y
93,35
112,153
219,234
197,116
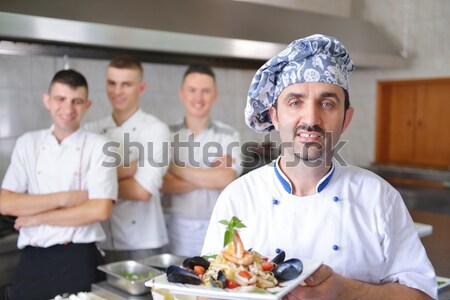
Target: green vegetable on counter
x,y
232,226
134,276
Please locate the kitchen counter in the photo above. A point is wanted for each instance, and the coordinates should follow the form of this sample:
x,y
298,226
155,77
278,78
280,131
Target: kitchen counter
x,y
105,290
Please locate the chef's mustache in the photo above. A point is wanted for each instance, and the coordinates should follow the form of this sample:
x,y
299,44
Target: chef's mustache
x,y
314,128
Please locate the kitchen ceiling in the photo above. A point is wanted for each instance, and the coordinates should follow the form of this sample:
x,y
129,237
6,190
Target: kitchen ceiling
x,y
213,28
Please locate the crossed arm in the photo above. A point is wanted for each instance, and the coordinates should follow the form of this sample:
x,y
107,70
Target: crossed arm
x,y
70,208
185,179
129,188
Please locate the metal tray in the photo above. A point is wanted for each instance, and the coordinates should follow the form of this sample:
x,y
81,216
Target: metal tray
x,y
115,275
163,261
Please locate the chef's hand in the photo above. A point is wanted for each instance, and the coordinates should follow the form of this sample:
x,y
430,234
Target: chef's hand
x,y
324,283
25,221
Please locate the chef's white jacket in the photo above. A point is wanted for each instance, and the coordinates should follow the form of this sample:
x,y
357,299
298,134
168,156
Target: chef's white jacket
x,y
41,165
200,151
136,225
356,223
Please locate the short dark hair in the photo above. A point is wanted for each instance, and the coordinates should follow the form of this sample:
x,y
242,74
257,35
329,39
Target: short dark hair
x,y
199,68
126,62
69,77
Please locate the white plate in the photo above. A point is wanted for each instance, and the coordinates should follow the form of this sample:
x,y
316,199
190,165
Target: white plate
x,y
276,293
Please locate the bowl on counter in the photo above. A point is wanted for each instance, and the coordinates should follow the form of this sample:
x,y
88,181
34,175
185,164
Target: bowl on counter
x,y
129,276
163,261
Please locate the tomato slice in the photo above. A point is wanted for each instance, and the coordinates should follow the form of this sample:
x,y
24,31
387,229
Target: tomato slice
x,y
245,274
231,284
267,266
199,270
264,258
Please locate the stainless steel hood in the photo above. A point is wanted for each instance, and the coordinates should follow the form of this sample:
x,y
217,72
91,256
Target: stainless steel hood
x,y
213,28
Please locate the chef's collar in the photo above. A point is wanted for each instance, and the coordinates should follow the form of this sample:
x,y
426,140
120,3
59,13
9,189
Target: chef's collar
x,y
209,125
74,138
132,120
287,184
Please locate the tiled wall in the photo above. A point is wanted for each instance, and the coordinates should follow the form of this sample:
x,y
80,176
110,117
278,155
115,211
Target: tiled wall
x,y
428,57
23,80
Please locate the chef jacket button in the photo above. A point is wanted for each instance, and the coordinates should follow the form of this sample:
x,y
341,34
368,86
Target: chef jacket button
x,y
275,201
134,128
78,149
75,173
335,198
39,172
277,251
335,247
133,222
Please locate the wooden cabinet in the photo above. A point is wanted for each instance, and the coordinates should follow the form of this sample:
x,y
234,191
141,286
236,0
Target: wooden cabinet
x,y
413,123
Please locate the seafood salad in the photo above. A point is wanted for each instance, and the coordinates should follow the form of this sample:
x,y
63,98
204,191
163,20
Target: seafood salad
x,y
235,267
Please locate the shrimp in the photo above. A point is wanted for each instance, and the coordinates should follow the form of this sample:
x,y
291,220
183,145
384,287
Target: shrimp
x,y
236,252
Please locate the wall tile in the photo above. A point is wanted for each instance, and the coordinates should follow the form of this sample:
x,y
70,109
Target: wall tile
x,y
6,149
43,68
15,71
15,113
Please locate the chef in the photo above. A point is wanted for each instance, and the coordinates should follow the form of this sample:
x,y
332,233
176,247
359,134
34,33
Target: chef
x,y
59,190
139,147
311,205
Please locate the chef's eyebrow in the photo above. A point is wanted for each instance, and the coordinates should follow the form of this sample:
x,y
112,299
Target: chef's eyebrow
x,y
321,96
294,95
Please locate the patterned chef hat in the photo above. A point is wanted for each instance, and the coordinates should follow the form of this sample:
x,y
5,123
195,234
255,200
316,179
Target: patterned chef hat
x,y
316,58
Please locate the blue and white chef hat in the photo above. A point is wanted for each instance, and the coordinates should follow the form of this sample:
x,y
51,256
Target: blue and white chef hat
x,y
316,58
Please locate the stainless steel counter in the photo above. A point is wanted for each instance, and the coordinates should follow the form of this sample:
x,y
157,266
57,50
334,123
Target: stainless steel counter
x,y
104,290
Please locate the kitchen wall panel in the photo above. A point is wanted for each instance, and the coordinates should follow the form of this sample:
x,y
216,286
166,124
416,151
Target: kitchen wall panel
x,y
24,79
427,43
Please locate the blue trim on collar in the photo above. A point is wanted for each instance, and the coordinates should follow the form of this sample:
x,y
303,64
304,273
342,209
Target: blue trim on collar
x,y
325,180
287,185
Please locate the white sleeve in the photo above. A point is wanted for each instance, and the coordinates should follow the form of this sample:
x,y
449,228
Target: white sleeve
x,y
406,259
101,179
16,178
155,161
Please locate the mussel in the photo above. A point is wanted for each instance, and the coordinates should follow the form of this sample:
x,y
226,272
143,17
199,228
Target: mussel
x,y
177,274
191,262
288,269
279,258
220,281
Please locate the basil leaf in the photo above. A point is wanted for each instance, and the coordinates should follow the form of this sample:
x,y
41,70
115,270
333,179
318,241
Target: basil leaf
x,y
228,238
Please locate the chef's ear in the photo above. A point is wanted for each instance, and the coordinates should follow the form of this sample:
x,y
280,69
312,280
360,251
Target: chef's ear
x,y
142,87
88,103
274,117
45,100
348,118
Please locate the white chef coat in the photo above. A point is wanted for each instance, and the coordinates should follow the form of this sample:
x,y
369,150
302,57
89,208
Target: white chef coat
x,y
356,223
41,165
190,211
219,140
136,225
